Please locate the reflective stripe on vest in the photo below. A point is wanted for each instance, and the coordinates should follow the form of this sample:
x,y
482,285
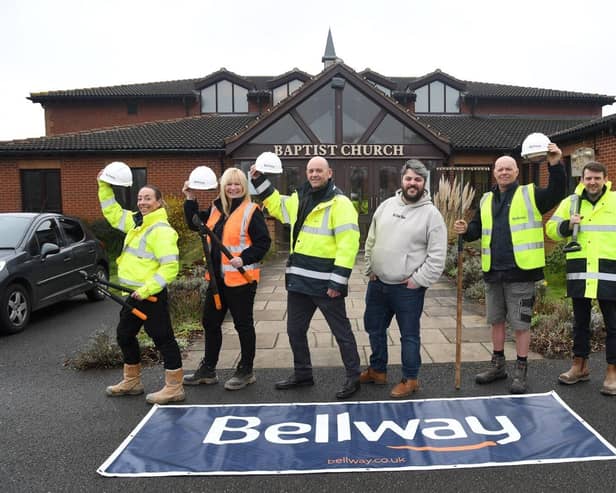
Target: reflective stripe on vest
x,y
141,251
236,238
526,229
315,274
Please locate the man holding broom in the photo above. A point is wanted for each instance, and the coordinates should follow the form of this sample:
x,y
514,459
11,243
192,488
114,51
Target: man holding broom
x,y
509,223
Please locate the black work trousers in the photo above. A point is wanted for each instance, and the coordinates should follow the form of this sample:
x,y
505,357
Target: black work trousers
x,y
157,326
300,309
239,300
581,327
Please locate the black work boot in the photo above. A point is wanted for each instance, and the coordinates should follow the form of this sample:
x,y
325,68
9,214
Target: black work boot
x,y
243,376
497,371
518,385
204,374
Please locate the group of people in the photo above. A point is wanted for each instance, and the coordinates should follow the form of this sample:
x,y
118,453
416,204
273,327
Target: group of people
x,y
405,252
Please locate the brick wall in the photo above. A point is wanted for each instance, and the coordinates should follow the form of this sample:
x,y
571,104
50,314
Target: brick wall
x,y
85,115
540,108
10,198
78,178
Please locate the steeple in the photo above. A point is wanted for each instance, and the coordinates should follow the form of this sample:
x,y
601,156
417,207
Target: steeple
x,y
329,57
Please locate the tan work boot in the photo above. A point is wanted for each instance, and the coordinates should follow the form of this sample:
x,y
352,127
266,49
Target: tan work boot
x,y
370,375
130,384
173,391
609,384
405,388
577,373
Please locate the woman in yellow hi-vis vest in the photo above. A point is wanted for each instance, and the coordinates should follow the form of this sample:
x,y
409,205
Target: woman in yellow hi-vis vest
x,y
241,226
148,263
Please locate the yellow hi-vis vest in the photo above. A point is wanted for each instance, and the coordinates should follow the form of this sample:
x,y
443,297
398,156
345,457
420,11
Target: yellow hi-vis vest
x,y
236,238
526,227
150,258
591,272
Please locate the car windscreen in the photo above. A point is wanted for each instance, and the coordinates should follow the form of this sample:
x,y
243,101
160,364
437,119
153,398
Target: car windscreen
x,y
13,229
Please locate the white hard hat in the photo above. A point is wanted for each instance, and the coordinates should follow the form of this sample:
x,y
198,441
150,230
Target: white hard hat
x,y
117,173
535,146
202,178
268,162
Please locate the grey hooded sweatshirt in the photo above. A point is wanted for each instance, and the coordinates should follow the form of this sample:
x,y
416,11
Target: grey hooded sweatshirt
x,y
406,240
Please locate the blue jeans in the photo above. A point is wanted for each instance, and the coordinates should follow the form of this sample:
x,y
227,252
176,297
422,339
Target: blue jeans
x,y
383,301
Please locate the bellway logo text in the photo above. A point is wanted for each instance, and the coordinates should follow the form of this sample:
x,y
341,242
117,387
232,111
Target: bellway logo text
x,y
362,436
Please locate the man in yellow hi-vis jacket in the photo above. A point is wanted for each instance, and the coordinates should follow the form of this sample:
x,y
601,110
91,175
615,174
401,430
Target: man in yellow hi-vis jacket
x,y
591,267
148,263
324,243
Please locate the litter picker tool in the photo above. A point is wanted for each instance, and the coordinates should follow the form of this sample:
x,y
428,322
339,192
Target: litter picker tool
x,y
105,282
208,260
214,237
573,245
95,281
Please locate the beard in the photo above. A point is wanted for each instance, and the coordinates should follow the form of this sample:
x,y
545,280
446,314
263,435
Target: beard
x,y
417,193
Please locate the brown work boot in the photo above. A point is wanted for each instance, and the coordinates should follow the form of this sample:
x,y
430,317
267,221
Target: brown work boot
x,y
405,388
173,391
577,373
130,384
609,384
370,375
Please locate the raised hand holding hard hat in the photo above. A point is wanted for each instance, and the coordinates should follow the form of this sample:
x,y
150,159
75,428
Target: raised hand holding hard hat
x,y
268,162
202,178
117,173
535,147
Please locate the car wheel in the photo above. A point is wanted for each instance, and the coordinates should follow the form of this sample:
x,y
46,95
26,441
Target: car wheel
x,y
94,294
16,309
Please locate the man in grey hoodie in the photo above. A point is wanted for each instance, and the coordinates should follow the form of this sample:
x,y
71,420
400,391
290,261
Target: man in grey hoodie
x,y
405,253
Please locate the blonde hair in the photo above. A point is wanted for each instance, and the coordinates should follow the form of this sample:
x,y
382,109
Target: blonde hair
x,y
232,175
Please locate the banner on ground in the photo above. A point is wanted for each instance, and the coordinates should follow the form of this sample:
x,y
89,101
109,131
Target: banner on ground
x,y
358,436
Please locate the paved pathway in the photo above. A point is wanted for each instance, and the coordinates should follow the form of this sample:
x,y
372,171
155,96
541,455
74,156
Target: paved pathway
x,y
438,327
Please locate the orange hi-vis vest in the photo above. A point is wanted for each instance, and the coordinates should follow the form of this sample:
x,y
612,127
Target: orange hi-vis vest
x,y
236,238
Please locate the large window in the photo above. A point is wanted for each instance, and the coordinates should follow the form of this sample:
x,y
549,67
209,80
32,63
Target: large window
x,y
281,92
357,113
391,131
284,130
224,97
40,190
318,113
437,97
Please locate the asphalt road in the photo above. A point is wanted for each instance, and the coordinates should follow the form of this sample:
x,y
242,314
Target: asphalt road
x,y
57,426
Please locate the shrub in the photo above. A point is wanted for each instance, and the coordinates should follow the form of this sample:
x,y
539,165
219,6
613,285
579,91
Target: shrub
x,y
552,326
103,352
111,237
186,295
472,275
555,261
175,213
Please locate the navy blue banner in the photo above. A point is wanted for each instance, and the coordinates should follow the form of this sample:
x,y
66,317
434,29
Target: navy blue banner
x,y
359,436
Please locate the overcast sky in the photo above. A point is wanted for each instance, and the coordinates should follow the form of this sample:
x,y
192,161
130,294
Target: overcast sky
x,y
68,44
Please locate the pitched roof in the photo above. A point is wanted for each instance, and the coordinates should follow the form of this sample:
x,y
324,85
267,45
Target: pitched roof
x,y
330,74
589,127
188,88
191,134
482,133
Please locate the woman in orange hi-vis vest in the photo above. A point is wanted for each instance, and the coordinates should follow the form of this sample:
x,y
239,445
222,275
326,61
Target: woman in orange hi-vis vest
x,y
240,224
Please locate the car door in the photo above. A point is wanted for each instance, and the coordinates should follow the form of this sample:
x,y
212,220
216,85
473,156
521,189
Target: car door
x,y
51,279
81,250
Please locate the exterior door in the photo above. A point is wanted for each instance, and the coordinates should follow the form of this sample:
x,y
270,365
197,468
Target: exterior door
x,y
367,184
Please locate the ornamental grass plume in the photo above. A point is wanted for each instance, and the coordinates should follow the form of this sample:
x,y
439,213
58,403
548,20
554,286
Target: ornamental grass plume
x,y
451,203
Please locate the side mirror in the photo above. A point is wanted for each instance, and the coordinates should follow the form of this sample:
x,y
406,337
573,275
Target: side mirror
x,y
49,249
